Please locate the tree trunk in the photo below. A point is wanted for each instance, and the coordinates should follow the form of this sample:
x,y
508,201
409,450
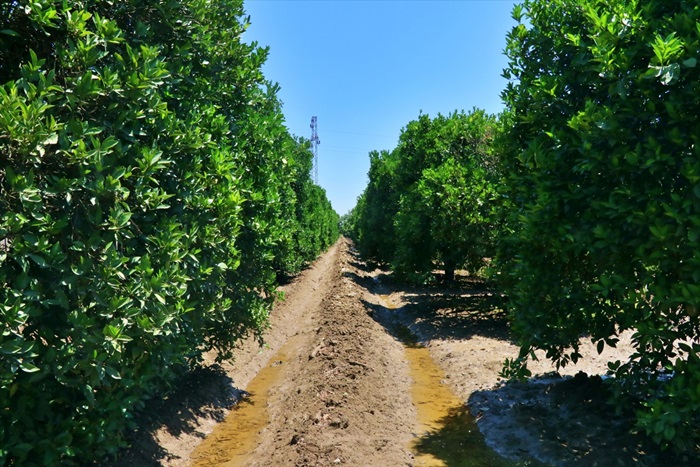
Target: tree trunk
x,y
449,271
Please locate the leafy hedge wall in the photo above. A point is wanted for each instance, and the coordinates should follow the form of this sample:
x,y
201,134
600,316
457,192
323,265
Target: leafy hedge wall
x,y
313,224
602,165
146,185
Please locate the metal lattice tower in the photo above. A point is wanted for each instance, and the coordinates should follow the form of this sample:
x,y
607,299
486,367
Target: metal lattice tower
x,y
314,146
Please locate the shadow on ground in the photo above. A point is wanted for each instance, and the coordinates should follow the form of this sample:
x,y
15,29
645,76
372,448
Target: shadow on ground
x,y
567,422
202,392
456,444
458,310
559,421
455,311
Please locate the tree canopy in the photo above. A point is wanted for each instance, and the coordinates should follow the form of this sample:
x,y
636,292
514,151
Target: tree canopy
x,y
601,165
429,203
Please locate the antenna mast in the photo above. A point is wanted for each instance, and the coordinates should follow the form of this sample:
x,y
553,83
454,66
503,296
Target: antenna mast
x,y
314,146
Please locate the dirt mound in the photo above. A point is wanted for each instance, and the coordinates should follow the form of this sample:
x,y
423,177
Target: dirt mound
x,y
342,395
345,397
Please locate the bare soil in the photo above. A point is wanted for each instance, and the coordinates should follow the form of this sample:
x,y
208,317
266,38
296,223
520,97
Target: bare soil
x,y
340,393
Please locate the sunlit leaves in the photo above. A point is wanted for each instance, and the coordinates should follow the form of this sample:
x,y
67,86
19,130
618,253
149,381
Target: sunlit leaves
x,y
146,185
667,48
428,202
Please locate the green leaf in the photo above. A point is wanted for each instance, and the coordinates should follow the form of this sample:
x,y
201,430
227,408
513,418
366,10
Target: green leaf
x,y
694,234
111,331
28,367
670,74
112,372
632,158
38,260
517,13
669,432
10,347
690,63
124,338
88,392
52,139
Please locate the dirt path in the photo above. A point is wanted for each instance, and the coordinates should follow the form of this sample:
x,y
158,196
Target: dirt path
x,y
343,393
333,386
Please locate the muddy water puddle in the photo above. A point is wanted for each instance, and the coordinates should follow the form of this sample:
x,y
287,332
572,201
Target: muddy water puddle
x,y
447,434
234,439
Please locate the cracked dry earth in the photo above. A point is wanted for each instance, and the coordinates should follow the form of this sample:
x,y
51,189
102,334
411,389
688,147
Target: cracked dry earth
x,y
359,371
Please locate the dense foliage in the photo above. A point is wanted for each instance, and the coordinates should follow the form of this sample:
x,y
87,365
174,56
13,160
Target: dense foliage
x,y
429,203
148,188
313,225
602,163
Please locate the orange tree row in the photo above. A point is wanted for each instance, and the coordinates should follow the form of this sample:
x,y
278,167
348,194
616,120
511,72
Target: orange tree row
x,y
149,196
430,202
590,197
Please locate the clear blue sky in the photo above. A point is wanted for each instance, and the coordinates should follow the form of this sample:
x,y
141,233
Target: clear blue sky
x,y
367,68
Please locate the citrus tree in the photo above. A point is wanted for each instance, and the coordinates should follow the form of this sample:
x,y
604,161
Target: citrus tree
x,y
376,209
449,182
600,159
429,203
